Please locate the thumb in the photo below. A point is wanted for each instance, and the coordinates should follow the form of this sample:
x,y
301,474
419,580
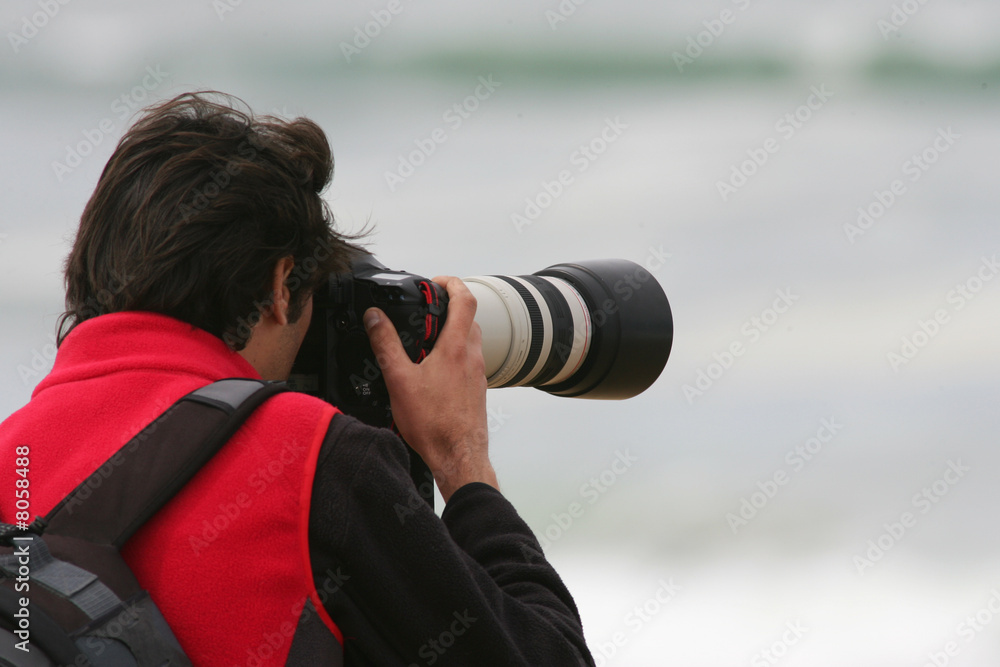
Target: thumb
x,y
388,349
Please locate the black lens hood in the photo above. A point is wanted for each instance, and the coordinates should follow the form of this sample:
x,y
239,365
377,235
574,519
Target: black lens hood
x,y
632,326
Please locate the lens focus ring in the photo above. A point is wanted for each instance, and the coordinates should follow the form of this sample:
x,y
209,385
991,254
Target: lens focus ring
x,y
537,330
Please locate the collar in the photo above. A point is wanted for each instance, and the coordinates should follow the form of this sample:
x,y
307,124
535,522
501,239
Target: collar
x,y
143,341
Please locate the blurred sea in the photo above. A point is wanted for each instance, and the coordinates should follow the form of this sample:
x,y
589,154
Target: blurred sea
x,y
662,573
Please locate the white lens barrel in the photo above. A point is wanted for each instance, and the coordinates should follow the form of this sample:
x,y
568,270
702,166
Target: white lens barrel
x,y
536,330
503,318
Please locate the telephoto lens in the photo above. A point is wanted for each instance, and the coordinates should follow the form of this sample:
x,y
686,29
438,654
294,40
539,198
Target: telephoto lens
x,y
594,329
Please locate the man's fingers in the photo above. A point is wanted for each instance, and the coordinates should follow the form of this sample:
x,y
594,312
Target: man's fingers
x,y
476,335
476,341
388,349
461,311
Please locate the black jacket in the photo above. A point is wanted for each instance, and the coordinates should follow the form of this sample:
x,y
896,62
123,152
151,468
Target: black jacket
x,y
410,589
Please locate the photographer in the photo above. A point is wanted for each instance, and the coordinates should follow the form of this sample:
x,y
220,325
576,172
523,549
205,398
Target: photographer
x,y
196,260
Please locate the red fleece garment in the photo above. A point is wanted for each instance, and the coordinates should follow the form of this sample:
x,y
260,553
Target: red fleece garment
x,y
227,560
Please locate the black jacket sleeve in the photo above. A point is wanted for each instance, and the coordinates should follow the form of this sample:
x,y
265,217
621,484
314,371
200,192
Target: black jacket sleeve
x,y
408,588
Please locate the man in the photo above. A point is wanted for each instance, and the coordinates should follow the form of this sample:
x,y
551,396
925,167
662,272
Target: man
x,y
196,260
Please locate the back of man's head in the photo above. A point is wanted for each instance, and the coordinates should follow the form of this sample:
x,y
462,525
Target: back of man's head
x,y
194,209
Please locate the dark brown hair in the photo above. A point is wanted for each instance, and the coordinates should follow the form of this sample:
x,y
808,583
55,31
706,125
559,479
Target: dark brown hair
x,y
194,209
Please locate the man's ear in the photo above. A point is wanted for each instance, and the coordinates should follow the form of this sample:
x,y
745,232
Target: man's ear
x,y
280,294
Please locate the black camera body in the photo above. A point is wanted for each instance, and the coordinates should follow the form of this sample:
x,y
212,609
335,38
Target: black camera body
x,y
336,361
594,329
599,329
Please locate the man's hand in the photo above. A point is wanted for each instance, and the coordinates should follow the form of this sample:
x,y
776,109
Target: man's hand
x,y
439,405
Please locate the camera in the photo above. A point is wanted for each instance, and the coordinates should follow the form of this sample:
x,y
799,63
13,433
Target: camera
x,y
598,329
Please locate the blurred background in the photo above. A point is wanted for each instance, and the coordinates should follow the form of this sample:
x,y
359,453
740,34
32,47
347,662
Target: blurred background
x,y
814,183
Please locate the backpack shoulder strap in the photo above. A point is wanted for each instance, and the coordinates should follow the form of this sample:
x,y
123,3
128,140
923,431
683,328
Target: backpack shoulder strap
x,y
141,477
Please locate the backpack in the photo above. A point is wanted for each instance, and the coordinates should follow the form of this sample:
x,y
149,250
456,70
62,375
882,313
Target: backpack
x,y
66,595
